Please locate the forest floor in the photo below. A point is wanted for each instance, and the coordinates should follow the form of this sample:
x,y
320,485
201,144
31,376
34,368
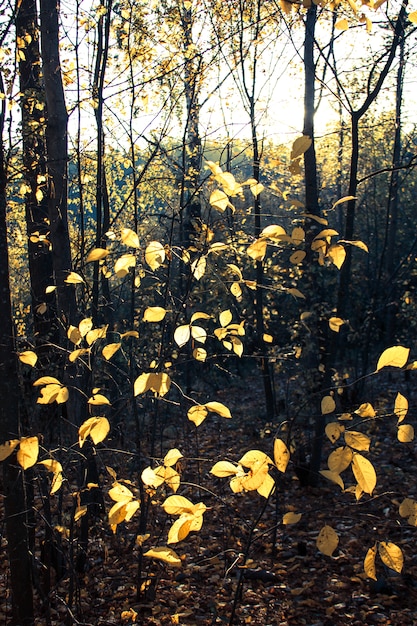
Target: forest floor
x,y
285,580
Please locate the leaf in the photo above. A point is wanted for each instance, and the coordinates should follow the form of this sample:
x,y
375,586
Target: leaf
x,y
97,254
327,541
291,518
257,250
405,433
46,380
97,427
53,393
197,414
340,459
357,440
344,199
257,189
391,556
400,407
73,279
198,267
281,455
328,405
254,459
109,350
395,357
177,505
300,145
337,254
154,255
364,472
357,244
274,232
236,290
334,477
130,238
198,334
224,469
167,555
172,457
199,315
182,335
123,264
79,512
154,314
334,430
27,455
266,487
298,235
225,317
296,293
365,410
335,323
85,326
28,357
341,24
6,449
267,338
413,17
369,563
219,408
219,200
297,257
97,399
327,232
200,354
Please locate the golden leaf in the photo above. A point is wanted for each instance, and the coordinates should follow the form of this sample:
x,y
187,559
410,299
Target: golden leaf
x,y
257,250
400,407
291,518
340,459
328,405
337,254
357,440
334,430
220,200
364,472
341,24
167,555
172,457
154,314
223,469
6,449
366,410
123,264
73,279
334,477
274,232
97,254
391,555
27,455
28,357
130,238
109,350
327,541
405,433
154,255
281,455
98,399
335,323
197,414
297,257
300,145
369,563
219,408
395,357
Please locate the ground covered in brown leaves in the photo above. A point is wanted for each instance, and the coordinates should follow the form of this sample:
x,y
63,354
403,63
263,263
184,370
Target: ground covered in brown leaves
x,y
284,579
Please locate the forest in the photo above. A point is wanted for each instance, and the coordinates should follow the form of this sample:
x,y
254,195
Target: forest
x,y
208,277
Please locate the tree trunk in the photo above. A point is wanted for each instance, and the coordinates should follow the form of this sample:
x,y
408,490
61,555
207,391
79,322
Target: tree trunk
x,y
57,158
13,476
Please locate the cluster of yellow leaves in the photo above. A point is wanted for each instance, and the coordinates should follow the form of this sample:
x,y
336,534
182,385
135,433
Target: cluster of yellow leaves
x,y
185,332
190,517
165,473
405,432
52,390
85,331
27,456
198,413
390,554
300,145
96,427
125,505
229,333
158,382
251,473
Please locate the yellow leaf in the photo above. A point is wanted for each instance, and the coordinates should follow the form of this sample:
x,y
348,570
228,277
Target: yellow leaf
x,y
73,356
130,238
27,455
56,483
167,555
395,357
334,477
172,457
344,199
281,455
198,334
366,410
334,430
391,556
97,427
225,317
255,459
198,267
200,354
109,350
364,472
219,408
73,279
182,334
223,469
413,17
46,380
177,505
53,393
141,384
298,235
274,232
369,563
79,512
154,314
327,541
6,449
257,189
328,405
51,465
266,487
291,518
154,255
300,145
197,414
405,433
257,250
335,323
400,407
97,254
267,338
340,459
130,333
123,264
219,200
337,254
97,399
357,440
120,493
236,290
28,357
199,315
296,293
341,25
85,326
357,244
297,257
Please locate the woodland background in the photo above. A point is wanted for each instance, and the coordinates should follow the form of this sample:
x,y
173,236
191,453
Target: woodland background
x,y
207,212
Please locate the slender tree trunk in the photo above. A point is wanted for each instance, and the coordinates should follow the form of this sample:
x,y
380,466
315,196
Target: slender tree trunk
x,y
57,158
13,476
32,104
